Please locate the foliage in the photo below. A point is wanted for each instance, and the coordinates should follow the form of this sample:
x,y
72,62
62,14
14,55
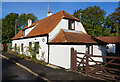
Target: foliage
x,y
23,20
27,57
95,22
18,49
92,19
0,31
8,24
33,50
8,27
113,22
42,57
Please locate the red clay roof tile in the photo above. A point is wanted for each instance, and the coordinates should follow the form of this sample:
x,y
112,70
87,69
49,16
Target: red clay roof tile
x,y
63,37
110,39
46,25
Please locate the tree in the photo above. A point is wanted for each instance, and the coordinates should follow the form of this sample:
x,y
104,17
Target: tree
x,y
0,31
93,19
23,20
112,23
8,25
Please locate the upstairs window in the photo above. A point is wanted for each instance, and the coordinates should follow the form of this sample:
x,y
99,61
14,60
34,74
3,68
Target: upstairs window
x,y
71,24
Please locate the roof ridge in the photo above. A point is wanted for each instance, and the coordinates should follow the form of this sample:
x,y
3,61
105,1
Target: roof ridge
x,y
41,20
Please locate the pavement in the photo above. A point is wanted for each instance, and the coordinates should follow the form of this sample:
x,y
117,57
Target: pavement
x,y
47,73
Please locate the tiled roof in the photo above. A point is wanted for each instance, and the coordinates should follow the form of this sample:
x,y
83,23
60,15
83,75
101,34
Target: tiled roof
x,y
46,25
110,39
18,35
71,37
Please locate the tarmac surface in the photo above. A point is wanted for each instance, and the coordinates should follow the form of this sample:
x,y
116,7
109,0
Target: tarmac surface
x,y
15,72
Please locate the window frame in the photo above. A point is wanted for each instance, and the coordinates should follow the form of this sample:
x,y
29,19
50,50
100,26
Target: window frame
x,y
70,22
90,49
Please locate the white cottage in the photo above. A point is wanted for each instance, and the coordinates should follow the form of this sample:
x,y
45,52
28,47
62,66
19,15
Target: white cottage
x,y
56,35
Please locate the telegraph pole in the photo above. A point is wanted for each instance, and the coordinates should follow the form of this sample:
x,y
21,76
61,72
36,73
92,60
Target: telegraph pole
x,y
80,16
119,20
48,5
15,26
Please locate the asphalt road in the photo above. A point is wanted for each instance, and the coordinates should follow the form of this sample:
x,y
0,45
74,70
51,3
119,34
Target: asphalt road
x,y
11,71
43,71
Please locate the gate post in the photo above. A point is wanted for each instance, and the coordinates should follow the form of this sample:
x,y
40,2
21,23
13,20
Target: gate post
x,y
87,65
75,60
72,59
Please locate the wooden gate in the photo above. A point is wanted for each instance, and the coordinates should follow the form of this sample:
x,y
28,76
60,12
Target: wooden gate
x,y
108,69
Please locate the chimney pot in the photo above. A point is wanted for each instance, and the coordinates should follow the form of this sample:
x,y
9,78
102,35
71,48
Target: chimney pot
x,y
29,22
49,13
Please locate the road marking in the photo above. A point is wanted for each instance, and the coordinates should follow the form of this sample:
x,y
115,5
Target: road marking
x,y
22,66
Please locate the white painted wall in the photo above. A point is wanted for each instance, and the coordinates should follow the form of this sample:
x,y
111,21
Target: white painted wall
x,y
79,27
99,50
111,48
43,45
60,55
63,24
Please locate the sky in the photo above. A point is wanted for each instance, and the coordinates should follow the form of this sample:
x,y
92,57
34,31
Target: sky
x,y
40,9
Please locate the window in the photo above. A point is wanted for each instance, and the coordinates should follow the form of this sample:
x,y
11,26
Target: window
x,y
22,47
15,47
37,47
89,49
30,44
71,24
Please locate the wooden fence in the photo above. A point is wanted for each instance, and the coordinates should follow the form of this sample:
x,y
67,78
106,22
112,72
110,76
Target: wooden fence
x,y
109,69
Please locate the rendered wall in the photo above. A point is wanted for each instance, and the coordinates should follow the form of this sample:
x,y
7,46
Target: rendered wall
x,y
60,55
99,50
43,45
79,27
63,24
111,48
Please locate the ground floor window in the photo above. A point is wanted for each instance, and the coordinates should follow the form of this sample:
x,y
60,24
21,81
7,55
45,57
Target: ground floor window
x,y
37,47
89,49
30,44
15,47
22,47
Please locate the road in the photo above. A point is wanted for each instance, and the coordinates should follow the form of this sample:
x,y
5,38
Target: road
x,y
11,71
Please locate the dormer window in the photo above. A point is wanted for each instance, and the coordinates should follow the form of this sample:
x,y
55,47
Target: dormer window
x,y
71,24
